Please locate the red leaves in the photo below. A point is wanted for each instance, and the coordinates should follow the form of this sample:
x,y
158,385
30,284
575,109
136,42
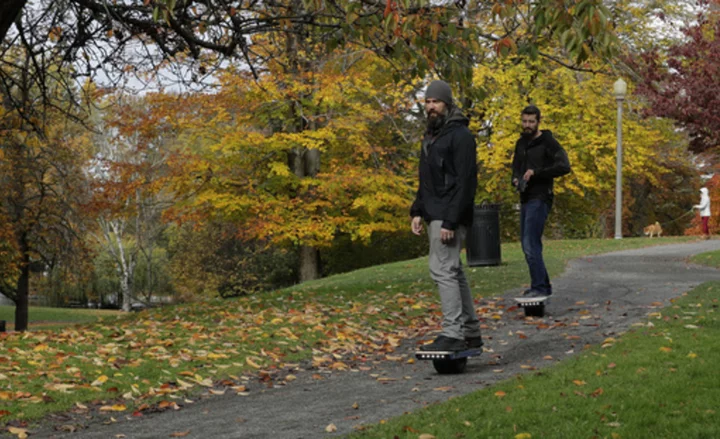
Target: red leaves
x,y
685,90
390,6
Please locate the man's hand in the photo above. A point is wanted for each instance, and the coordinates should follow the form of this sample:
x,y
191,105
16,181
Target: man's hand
x,y
515,182
529,173
416,225
446,235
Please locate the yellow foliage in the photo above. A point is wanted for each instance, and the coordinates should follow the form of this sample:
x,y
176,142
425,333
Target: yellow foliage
x,y
580,110
251,134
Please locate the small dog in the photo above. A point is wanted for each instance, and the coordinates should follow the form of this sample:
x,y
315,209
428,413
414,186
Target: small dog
x,y
653,229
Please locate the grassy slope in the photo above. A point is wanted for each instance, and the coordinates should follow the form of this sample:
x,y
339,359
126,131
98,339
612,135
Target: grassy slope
x,y
659,380
145,355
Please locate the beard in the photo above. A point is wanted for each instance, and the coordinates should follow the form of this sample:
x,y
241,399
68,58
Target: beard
x,y
529,133
435,121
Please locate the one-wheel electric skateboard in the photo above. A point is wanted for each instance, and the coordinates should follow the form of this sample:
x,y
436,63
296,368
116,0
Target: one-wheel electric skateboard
x,y
533,306
448,362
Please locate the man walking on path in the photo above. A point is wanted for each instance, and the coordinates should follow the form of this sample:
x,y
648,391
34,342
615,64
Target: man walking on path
x,y
704,208
445,198
538,159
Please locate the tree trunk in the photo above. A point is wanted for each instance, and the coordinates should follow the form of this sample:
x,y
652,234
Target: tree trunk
x,y
126,289
23,287
304,163
309,266
125,265
9,11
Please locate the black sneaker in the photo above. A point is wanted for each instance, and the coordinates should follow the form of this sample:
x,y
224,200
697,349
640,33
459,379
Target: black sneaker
x,y
443,343
474,342
533,294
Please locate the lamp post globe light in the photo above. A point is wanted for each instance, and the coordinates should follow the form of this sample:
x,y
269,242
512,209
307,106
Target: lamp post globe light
x,y
619,90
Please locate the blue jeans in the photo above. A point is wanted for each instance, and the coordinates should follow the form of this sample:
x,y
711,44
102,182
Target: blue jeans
x,y
533,215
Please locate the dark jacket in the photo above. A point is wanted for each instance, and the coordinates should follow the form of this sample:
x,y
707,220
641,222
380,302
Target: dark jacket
x,y
546,158
448,174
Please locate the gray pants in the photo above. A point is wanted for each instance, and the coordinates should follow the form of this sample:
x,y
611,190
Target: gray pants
x,y
459,318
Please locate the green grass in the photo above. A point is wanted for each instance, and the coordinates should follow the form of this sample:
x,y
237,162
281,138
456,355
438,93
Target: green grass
x,y
412,276
711,259
656,381
55,317
140,358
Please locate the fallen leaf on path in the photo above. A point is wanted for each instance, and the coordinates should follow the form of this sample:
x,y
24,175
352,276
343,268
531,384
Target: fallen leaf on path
x,y
443,389
579,382
356,406
331,428
19,432
180,433
168,404
113,408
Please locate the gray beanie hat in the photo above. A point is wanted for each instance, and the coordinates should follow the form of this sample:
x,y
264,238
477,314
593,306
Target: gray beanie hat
x,y
439,90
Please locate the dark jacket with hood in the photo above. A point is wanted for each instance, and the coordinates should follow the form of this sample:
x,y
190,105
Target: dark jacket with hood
x,y
448,174
546,158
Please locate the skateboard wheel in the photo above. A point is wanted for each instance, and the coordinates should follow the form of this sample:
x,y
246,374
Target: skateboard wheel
x,y
535,311
449,367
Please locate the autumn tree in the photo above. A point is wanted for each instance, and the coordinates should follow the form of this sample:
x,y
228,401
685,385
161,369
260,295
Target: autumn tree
x,y
580,111
43,186
188,40
130,174
680,82
260,144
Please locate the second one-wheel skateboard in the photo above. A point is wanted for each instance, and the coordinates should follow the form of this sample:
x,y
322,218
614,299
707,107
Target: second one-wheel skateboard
x,y
448,362
533,306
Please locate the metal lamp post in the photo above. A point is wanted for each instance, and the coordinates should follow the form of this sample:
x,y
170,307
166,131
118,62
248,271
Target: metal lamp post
x,y
619,90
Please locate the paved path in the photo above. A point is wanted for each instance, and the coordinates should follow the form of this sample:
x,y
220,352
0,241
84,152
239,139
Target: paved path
x,y
597,297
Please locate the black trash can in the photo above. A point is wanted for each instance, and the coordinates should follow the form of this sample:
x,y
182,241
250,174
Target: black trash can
x,y
483,238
